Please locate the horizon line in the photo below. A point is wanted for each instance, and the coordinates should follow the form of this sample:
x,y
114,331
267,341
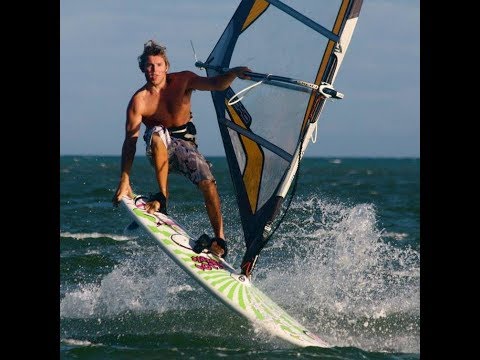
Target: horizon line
x,y
304,157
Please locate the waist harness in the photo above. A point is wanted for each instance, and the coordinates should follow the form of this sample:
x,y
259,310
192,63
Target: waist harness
x,y
185,132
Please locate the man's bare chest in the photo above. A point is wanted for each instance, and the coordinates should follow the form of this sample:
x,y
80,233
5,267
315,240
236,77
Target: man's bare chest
x,y
165,102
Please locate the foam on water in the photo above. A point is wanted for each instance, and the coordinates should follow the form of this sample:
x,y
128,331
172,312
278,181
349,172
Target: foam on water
x,y
341,276
95,235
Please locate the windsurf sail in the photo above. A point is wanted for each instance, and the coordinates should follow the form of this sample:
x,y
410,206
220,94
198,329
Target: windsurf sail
x,y
295,52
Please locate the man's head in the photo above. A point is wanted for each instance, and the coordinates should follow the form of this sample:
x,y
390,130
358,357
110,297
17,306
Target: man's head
x,y
152,48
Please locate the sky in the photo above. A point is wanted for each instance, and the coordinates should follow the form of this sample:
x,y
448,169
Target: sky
x,y
101,39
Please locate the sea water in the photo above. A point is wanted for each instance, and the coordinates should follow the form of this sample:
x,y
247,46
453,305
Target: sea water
x,y
345,262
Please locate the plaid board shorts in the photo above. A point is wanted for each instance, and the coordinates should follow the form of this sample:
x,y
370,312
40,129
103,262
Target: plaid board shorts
x,y
183,155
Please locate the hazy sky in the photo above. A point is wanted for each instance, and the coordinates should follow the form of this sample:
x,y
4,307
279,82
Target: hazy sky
x,y
101,39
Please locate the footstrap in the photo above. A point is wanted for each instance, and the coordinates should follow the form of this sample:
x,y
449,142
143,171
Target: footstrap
x,y
205,242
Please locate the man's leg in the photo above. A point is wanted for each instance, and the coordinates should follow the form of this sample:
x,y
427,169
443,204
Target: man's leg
x,y
212,203
160,161
189,162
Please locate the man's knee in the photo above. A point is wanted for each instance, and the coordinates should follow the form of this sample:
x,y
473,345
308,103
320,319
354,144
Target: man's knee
x,y
207,185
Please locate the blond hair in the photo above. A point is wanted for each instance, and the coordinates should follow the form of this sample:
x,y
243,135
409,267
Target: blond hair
x,y
152,48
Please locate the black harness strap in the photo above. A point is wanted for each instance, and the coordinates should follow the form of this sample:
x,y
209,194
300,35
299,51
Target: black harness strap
x,y
185,132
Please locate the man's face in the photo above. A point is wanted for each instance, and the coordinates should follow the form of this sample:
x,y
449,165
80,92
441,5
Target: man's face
x,y
155,69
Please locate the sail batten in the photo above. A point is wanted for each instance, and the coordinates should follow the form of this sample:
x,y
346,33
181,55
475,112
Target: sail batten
x,y
305,20
266,131
257,139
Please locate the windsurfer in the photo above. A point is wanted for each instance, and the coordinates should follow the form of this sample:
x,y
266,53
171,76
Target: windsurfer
x,y
163,106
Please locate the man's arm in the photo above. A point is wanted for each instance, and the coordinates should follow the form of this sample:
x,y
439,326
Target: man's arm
x,y
132,130
219,82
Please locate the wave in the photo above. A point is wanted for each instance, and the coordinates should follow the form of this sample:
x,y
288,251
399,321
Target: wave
x,y
96,235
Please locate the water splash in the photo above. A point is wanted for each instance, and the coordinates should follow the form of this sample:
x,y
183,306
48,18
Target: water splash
x,y
346,282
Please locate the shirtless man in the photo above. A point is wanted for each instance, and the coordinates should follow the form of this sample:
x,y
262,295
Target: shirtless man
x,y
163,105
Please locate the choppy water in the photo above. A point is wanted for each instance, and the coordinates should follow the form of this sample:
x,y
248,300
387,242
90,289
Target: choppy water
x,y
345,262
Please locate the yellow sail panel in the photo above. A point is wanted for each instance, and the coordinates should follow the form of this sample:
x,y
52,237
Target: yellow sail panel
x,y
337,27
257,9
341,16
330,47
252,175
318,80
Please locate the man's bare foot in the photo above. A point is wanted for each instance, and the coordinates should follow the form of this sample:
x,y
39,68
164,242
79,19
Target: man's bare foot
x,y
215,245
219,247
158,202
152,206
216,249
